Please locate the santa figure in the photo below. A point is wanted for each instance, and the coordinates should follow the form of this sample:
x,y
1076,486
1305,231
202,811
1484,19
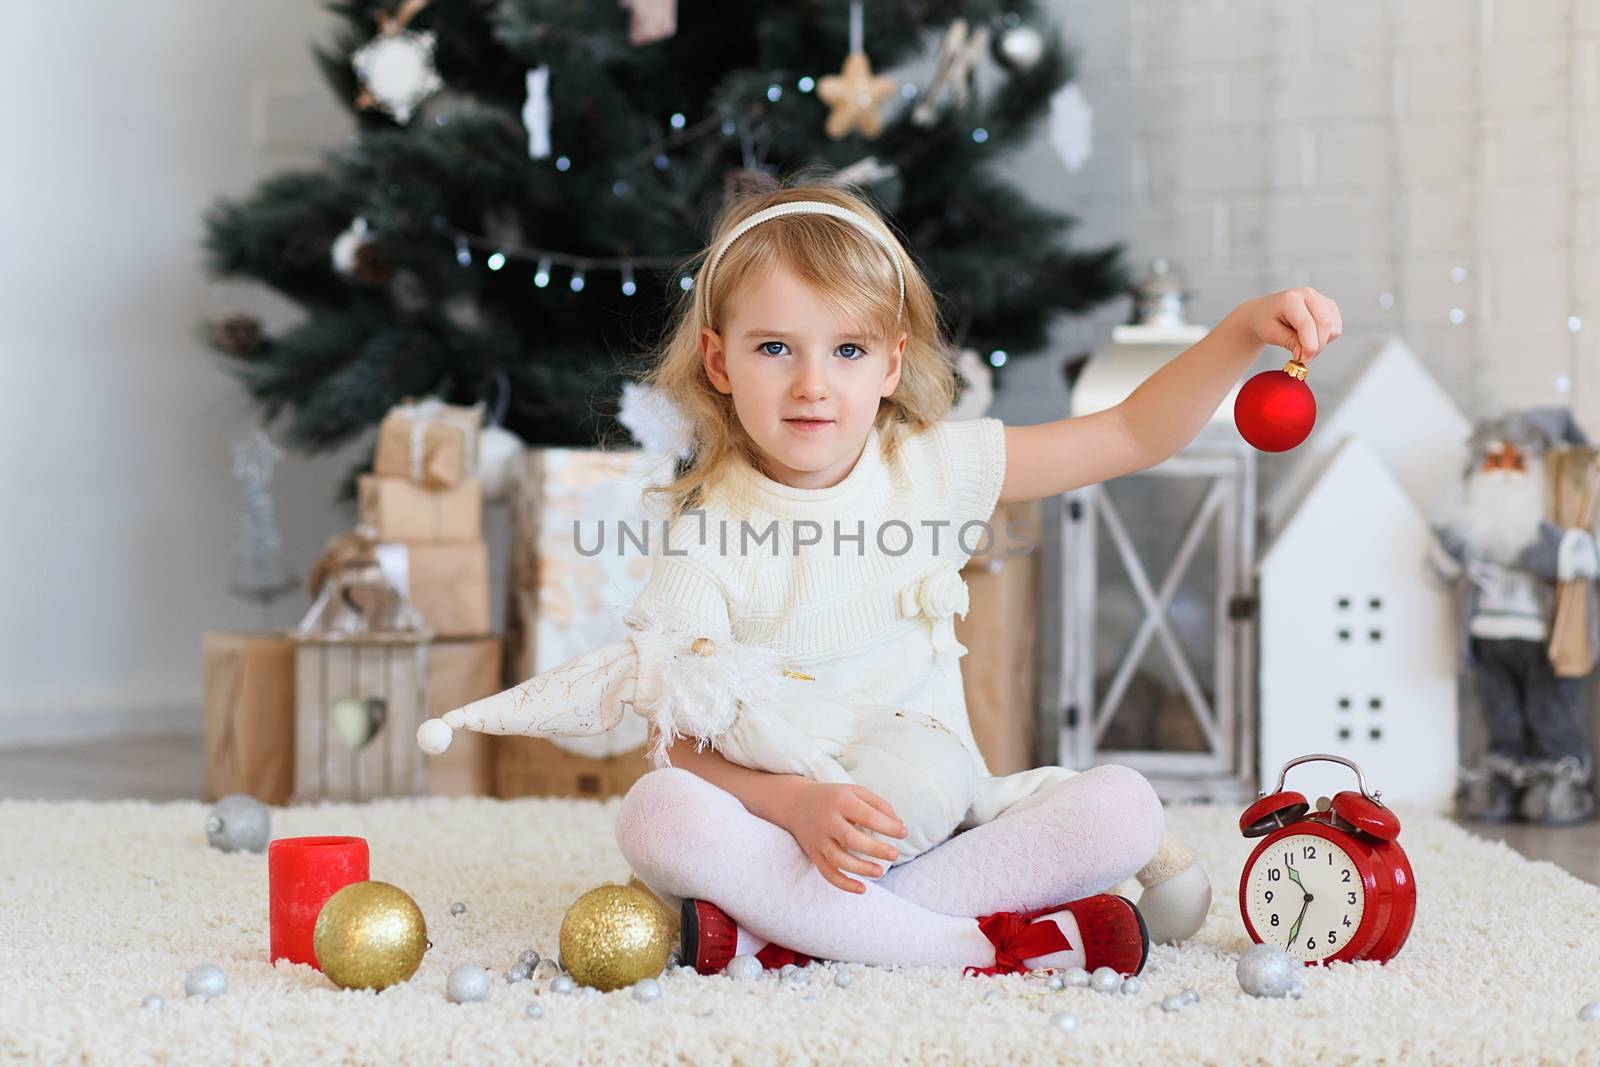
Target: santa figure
x,y
1517,565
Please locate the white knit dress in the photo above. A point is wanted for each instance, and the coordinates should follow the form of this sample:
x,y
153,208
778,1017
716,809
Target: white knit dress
x,y
855,588
859,585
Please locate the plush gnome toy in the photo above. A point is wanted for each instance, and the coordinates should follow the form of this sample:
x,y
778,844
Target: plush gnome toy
x,y
1522,544
743,701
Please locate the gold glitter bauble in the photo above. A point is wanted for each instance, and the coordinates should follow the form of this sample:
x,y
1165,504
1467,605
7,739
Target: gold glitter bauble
x,y
670,914
369,935
613,936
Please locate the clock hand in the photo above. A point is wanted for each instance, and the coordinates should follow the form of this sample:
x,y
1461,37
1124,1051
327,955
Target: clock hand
x,y
1294,875
1294,931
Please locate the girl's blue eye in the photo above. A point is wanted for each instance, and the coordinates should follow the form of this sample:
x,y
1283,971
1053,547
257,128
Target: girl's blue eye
x,y
855,351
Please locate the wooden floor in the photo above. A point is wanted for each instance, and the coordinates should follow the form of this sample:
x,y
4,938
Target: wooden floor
x,y
172,768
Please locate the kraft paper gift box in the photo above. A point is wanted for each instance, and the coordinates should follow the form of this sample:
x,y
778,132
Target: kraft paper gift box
x,y
999,631
562,602
431,443
249,715
398,509
459,672
448,583
535,767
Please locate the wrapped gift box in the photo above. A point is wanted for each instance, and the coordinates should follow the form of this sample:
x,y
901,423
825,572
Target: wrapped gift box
x,y
398,509
431,443
249,715
535,767
562,603
447,582
1000,630
459,672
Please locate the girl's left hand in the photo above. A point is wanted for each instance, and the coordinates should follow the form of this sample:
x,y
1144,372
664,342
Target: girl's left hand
x,y
1301,320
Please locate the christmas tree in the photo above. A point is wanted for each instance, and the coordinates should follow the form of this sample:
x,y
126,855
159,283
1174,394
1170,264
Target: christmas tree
x,y
531,180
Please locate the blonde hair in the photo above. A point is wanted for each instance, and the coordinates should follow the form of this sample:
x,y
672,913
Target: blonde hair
x,y
851,274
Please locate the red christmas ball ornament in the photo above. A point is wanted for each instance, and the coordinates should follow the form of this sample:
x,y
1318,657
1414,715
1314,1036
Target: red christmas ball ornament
x,y
1275,409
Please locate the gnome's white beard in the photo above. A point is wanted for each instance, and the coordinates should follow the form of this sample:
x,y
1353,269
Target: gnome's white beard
x,y
1502,510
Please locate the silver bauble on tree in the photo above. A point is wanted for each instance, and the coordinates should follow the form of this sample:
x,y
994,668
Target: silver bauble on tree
x,y
1020,48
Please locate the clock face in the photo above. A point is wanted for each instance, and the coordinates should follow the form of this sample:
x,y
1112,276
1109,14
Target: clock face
x,y
1305,895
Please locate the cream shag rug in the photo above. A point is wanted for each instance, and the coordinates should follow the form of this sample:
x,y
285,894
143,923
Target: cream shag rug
x,y
102,904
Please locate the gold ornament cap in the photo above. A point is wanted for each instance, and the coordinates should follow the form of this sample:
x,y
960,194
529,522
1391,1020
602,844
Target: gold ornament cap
x,y
1296,370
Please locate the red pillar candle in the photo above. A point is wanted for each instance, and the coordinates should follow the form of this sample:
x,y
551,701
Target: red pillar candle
x,y
302,873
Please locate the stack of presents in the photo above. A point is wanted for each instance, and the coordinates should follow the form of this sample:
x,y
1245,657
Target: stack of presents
x,y
400,631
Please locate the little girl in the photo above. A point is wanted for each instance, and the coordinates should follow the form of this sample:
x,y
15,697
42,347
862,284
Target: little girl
x,y
826,511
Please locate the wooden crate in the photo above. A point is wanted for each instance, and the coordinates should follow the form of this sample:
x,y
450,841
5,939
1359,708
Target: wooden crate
x,y
391,670
535,767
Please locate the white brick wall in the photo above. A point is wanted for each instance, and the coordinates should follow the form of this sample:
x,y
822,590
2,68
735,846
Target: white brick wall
x,y
1364,147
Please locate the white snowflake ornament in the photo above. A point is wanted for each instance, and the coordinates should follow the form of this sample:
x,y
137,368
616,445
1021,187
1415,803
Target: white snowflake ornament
x,y
397,72
1071,126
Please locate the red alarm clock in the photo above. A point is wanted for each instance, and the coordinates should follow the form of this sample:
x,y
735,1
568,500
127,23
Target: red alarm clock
x,y
1333,885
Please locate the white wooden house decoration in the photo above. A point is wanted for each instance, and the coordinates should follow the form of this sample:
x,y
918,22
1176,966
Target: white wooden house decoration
x,y
1156,636
1402,413
361,690
1358,647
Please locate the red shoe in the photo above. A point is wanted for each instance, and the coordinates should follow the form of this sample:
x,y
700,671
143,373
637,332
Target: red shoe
x,y
1112,929
710,940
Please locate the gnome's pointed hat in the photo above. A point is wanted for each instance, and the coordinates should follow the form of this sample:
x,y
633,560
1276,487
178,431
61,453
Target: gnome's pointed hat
x,y
687,684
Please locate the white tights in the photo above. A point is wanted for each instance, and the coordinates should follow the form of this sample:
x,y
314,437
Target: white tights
x,y
685,837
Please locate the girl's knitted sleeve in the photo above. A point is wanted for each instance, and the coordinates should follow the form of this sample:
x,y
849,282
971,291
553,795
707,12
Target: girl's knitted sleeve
x,y
973,451
681,592
682,694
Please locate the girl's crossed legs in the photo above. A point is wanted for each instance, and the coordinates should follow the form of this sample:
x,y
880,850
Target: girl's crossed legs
x,y
685,837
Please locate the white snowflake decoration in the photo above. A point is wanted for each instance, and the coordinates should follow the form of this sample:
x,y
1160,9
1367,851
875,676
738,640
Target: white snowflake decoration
x,y
536,112
1071,126
654,420
397,71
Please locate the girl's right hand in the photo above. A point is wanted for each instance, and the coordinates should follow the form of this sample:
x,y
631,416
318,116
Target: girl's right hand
x,y
827,821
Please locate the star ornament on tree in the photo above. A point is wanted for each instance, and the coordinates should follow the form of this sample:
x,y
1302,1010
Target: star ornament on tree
x,y
854,94
397,72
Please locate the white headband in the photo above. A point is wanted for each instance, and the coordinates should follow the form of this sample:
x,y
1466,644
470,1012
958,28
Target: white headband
x,y
801,207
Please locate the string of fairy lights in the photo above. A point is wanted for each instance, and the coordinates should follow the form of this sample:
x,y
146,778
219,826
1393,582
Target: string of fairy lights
x,y
499,254
1020,45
